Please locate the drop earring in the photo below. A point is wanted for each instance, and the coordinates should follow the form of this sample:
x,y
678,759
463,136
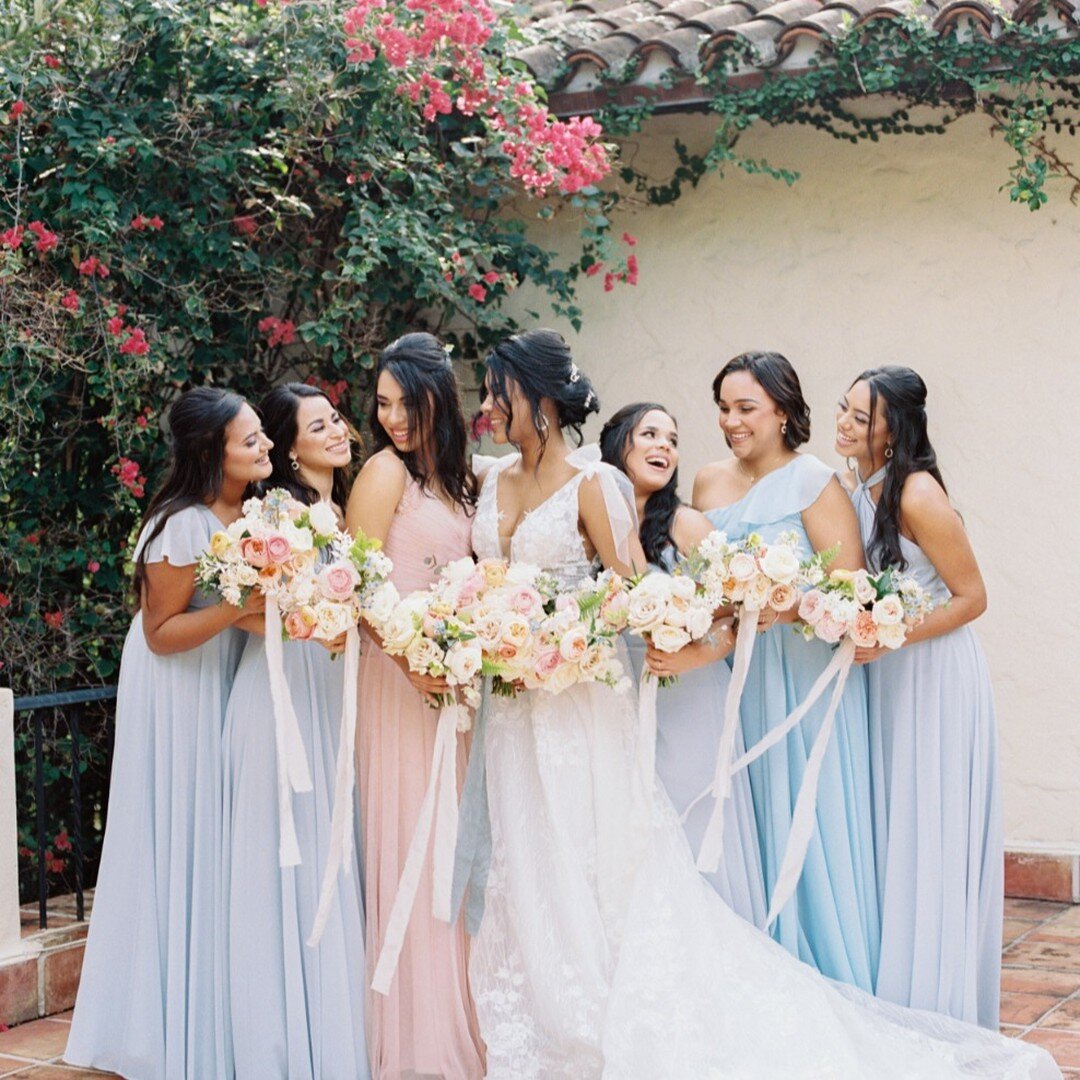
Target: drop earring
x,y
888,452
294,462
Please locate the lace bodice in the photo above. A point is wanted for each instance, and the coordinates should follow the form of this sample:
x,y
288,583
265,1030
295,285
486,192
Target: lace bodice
x,y
547,536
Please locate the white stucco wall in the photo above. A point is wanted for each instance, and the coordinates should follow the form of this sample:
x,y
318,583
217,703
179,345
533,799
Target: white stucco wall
x,y
899,252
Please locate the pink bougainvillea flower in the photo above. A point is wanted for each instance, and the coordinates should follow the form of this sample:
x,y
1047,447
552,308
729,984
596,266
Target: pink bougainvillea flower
x,y
129,475
5,600
277,331
17,110
13,237
70,301
93,265
478,292
93,566
135,344
46,239
115,326
51,61
629,240
54,619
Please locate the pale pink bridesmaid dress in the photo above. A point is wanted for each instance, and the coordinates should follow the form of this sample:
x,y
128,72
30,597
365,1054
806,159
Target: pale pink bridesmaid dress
x,y
426,1026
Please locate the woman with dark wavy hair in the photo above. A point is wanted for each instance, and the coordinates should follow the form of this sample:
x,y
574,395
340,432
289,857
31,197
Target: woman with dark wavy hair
x,y
294,1010
768,487
149,1000
933,731
416,493
642,441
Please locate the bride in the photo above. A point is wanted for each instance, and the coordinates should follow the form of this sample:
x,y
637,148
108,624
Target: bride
x,y
602,953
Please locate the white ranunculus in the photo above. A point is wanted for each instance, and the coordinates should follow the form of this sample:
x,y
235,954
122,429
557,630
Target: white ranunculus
x,y
381,603
780,563
891,635
646,611
423,654
323,519
521,573
332,619
670,639
462,662
888,611
742,567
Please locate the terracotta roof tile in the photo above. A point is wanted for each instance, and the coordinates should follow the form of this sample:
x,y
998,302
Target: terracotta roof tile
x,y
582,40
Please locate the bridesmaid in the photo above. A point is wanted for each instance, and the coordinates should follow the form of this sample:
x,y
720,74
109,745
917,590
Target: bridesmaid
x,y
767,487
416,494
150,1000
933,734
643,441
295,1012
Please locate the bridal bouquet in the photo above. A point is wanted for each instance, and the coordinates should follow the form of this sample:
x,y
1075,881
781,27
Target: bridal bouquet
x,y
276,540
670,610
869,609
433,630
335,595
536,637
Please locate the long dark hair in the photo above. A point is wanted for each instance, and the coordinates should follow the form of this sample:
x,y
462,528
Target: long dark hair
x,y
904,394
658,518
196,421
778,379
279,409
539,362
422,368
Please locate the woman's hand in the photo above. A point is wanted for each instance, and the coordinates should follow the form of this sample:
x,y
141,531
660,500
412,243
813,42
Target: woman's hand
x,y
868,656
719,641
255,604
430,687
335,645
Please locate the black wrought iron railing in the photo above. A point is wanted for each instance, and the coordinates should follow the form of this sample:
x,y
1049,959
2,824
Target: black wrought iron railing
x,y
71,704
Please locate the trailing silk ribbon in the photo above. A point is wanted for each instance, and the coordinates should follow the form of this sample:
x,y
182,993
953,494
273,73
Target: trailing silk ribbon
x,y
438,811
648,687
803,817
339,857
618,493
712,843
472,858
292,767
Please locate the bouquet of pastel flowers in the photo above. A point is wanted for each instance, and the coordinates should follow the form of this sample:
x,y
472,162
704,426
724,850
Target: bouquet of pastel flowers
x,y
275,541
870,609
670,610
535,636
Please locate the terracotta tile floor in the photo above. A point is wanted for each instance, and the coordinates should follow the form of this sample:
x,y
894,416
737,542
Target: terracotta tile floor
x,y
1040,997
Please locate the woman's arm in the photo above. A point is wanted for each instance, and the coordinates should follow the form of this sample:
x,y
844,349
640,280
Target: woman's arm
x,y
831,521
936,527
168,626
596,523
375,496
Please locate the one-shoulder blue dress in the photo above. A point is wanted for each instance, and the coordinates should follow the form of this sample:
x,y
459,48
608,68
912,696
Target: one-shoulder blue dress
x,y
832,920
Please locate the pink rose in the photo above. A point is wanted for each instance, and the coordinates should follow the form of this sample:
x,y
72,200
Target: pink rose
x,y
565,602
470,590
338,581
298,627
526,601
278,549
864,630
547,663
810,607
253,551
829,629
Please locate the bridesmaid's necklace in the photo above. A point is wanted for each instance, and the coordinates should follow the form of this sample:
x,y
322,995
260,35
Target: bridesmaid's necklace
x,y
751,477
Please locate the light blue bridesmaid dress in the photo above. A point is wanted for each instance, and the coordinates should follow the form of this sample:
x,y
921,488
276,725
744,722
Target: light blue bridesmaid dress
x,y
937,813
832,920
150,1001
689,718
295,1012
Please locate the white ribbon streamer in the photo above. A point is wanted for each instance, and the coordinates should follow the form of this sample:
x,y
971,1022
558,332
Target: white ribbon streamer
x,y
712,843
804,819
339,856
647,691
292,766
440,801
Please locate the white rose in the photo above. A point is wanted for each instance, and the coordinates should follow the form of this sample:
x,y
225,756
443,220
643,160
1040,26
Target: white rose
x,y
645,611
888,611
654,584
742,567
488,629
515,631
462,662
457,571
699,622
323,519
423,654
683,587
520,573
780,563
381,603
332,619
844,610
399,629
237,529
669,639
891,635
757,593
562,678
246,575
302,589
865,592
299,539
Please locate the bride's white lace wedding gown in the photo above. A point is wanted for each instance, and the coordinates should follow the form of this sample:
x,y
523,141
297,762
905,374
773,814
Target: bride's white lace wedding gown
x,y
602,953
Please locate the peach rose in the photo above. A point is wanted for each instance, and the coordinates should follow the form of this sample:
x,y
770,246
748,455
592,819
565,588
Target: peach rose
x,y
811,607
573,644
300,624
864,630
546,663
253,551
783,597
829,629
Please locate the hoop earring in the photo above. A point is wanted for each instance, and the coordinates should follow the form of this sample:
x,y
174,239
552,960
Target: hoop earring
x,y
852,464
295,463
888,452
783,428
